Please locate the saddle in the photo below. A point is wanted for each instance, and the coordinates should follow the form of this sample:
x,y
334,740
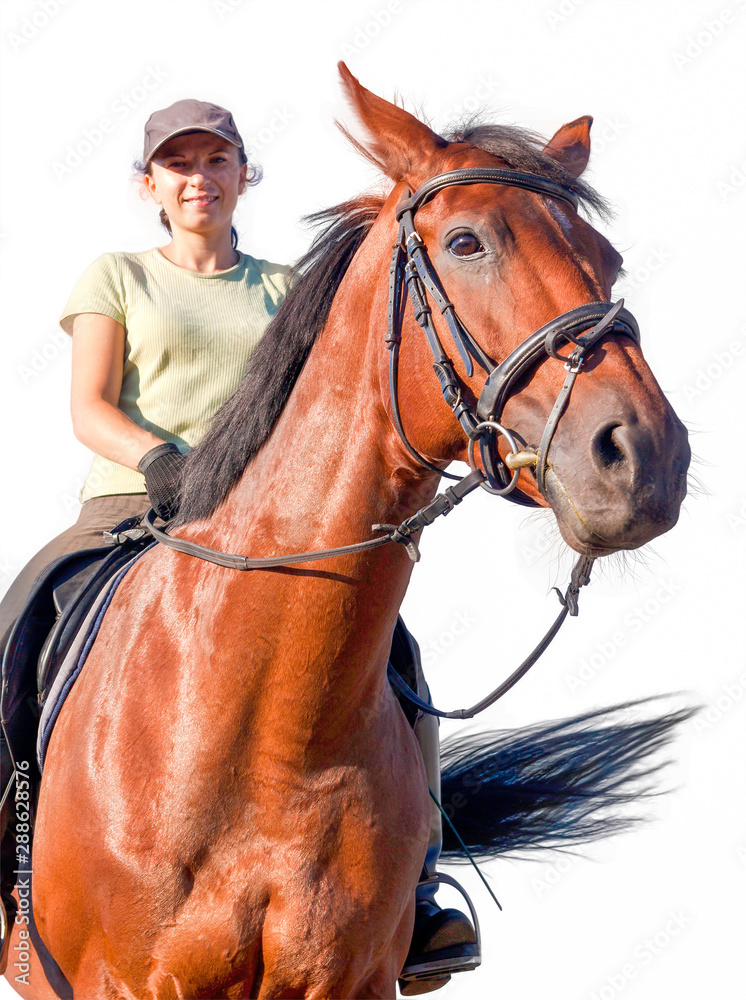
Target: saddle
x,y
45,631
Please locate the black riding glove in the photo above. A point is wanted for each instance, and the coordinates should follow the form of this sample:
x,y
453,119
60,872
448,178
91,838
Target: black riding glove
x,y
162,467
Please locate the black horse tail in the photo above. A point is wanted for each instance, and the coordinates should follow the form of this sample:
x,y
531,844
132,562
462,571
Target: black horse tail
x,y
553,785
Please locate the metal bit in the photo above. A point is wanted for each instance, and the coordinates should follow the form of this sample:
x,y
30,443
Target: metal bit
x,y
521,459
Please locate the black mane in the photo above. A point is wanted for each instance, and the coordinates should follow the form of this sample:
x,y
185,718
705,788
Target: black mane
x,y
245,421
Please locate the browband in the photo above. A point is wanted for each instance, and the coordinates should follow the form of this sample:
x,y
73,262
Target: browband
x,y
487,175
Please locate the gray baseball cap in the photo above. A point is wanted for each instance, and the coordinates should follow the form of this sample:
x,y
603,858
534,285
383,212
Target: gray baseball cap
x,y
188,116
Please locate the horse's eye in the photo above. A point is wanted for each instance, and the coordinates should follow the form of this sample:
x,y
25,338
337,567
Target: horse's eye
x,y
465,245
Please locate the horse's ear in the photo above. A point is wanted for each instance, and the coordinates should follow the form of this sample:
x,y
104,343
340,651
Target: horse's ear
x,y
571,145
398,141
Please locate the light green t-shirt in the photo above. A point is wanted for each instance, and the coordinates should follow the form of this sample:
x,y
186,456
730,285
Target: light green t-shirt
x,y
188,338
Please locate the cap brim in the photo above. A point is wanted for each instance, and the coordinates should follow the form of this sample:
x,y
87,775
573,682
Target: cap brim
x,y
192,128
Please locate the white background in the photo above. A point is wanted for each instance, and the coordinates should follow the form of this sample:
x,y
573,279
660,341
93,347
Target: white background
x,y
664,81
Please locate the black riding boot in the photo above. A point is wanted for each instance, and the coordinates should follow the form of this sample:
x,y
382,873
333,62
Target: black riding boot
x,y
443,942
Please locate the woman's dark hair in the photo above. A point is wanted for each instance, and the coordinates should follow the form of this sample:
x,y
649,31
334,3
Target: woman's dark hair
x,y
253,176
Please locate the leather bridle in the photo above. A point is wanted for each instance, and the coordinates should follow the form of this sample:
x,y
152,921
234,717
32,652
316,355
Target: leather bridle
x,y
411,268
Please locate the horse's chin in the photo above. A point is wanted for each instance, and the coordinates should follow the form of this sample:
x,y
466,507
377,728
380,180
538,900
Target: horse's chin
x,y
595,534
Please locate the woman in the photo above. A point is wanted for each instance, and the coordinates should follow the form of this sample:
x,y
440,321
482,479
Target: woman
x,y
160,340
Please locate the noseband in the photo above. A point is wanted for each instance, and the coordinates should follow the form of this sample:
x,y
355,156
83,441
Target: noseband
x,y
412,270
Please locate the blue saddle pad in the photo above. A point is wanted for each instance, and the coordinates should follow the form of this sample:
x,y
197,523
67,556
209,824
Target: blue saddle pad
x,y
68,668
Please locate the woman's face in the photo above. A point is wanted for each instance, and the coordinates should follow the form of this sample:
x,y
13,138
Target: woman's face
x,y
197,179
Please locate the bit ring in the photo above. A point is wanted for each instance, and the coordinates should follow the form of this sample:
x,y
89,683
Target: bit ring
x,y
477,433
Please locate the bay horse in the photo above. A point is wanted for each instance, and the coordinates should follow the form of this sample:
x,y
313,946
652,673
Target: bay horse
x,y
233,803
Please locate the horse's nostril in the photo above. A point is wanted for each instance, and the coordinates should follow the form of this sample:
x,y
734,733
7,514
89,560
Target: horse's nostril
x,y
608,451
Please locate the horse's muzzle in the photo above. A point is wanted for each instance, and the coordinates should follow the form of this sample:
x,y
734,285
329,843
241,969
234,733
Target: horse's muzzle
x,y
628,486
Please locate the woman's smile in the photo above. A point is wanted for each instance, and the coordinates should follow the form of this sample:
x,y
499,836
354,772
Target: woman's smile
x,y
201,199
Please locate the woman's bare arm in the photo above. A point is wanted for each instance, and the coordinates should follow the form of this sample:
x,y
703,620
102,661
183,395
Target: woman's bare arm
x,y
97,367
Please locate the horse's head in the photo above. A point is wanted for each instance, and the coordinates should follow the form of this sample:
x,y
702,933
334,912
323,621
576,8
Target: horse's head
x,y
511,260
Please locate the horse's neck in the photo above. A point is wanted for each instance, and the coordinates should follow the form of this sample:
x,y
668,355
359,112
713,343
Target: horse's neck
x,y
331,467
333,464
330,470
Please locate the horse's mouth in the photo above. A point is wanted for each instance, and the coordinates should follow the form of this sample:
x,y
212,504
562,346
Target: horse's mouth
x,y
623,529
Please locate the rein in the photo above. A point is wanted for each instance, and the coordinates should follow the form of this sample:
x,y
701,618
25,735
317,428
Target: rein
x,y
412,272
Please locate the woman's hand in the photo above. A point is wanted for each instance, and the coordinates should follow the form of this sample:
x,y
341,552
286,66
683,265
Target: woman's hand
x,y
162,467
97,368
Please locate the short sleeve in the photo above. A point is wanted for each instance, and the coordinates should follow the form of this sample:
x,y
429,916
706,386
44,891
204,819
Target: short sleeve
x,y
277,279
100,290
